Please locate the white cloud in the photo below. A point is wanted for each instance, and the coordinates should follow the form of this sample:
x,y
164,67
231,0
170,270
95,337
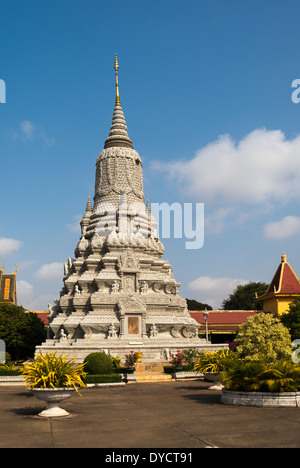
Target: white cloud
x,y
215,222
8,246
26,264
50,272
29,131
75,226
40,302
287,227
24,290
263,167
213,291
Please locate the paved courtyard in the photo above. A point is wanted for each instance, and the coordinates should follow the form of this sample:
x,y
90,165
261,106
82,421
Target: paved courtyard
x,y
148,415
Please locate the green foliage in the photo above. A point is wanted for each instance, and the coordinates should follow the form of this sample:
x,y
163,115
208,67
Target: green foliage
x,y
263,337
130,359
215,361
102,378
195,305
99,363
52,371
243,297
291,319
21,331
124,370
260,376
190,355
116,361
182,368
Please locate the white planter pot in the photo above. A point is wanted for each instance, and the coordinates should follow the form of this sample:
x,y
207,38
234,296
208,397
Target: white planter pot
x,y
260,398
53,396
214,377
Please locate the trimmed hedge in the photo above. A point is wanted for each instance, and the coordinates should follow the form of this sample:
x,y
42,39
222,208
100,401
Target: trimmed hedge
x,y
10,373
184,368
102,378
98,363
124,370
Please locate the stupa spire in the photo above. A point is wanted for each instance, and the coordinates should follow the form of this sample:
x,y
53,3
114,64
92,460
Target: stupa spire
x,y
118,102
118,135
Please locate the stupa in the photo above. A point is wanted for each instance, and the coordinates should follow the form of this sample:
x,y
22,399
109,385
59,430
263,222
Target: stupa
x,y
119,294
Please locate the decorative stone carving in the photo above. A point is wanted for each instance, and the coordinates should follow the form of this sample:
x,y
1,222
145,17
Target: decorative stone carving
x,y
119,291
128,262
153,331
112,332
144,287
115,287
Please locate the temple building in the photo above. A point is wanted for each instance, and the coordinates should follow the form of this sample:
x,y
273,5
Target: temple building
x,y
8,287
119,294
284,289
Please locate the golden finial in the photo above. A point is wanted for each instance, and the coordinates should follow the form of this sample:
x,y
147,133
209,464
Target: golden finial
x,y
118,102
16,270
2,269
283,258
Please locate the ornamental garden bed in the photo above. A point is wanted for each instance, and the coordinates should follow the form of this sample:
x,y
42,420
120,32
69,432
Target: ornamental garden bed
x,y
258,383
259,399
181,372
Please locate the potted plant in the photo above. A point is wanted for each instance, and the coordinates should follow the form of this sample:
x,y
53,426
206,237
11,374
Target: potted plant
x,y
53,378
211,364
129,369
261,383
131,359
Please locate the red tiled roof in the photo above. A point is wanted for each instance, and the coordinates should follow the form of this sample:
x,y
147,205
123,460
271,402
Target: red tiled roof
x,y
223,320
285,281
43,315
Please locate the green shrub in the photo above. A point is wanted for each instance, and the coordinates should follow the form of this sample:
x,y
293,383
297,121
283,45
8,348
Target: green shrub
x,y
261,376
183,368
124,370
9,372
103,378
98,363
263,338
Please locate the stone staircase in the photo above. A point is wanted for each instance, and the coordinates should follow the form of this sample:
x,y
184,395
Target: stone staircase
x,y
151,372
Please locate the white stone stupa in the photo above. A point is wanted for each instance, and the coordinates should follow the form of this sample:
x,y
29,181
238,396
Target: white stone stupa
x,y
119,294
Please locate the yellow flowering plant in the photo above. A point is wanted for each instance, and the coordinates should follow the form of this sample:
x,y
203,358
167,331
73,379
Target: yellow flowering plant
x,y
52,371
215,361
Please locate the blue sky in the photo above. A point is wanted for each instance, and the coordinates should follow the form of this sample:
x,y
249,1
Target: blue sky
x,y
206,92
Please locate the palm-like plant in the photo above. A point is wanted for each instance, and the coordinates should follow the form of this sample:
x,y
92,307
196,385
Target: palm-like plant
x,y
258,376
215,361
52,371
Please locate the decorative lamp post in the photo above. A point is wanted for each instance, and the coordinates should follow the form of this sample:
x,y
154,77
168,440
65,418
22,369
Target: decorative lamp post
x,y
205,315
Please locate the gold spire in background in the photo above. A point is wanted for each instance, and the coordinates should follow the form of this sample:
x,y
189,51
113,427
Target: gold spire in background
x,y
118,102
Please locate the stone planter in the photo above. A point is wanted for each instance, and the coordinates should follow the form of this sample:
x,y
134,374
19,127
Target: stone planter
x,y
12,380
186,375
53,396
260,398
216,378
129,377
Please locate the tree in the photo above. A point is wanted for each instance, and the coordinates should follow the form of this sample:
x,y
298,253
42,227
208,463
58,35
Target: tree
x,y
20,331
195,305
263,337
243,297
292,319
